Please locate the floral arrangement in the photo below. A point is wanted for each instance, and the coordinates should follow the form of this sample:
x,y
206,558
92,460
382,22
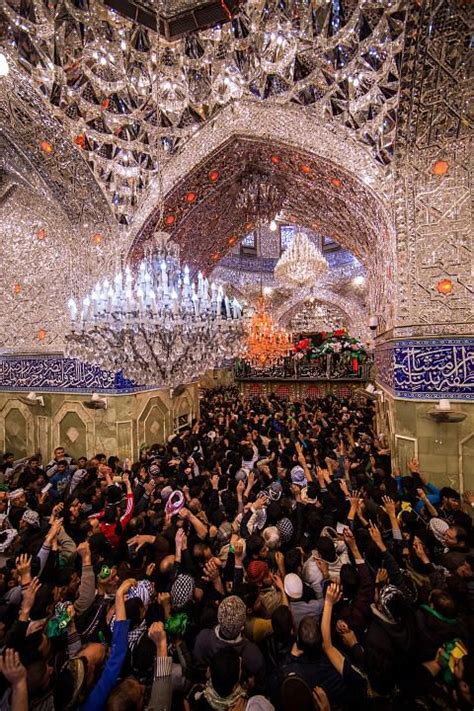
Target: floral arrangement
x,y
332,342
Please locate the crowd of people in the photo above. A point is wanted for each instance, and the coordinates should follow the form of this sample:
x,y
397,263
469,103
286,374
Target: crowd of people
x,y
268,556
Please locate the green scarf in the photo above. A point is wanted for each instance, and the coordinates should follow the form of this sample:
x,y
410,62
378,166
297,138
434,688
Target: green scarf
x,y
438,615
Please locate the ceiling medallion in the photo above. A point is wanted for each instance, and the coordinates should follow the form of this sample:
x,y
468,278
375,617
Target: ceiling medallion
x,y
41,335
191,197
46,147
265,344
305,169
276,160
97,238
301,264
170,220
336,182
157,327
439,168
41,233
445,286
214,175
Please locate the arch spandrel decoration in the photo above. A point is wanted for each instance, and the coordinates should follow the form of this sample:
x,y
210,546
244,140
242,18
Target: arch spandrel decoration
x,y
53,218
26,120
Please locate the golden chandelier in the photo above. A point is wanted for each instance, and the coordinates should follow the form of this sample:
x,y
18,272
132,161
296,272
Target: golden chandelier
x,y
266,344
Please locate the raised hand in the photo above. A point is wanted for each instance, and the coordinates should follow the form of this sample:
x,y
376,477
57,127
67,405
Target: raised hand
x,y
420,551
12,668
181,539
23,568
164,599
157,634
56,512
149,487
29,595
260,502
211,571
376,536
347,635
126,480
296,491
355,499
348,537
389,506
239,551
54,530
333,594
278,582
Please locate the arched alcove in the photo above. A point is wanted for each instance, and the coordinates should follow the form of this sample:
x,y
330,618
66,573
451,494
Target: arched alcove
x,y
326,183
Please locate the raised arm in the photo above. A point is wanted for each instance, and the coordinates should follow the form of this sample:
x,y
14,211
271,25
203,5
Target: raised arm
x,y
333,593
15,673
99,694
162,690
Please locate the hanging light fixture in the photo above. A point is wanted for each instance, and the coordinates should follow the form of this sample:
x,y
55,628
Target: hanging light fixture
x,y
158,327
301,264
260,198
266,344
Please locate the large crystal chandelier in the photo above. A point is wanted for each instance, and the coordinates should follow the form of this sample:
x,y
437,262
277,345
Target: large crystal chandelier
x,y
158,327
266,344
301,264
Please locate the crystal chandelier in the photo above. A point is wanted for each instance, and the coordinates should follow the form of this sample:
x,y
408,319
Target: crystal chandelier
x,y
259,198
301,264
266,344
159,328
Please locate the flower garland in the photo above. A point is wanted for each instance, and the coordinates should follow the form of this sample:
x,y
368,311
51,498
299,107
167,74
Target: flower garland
x,y
332,342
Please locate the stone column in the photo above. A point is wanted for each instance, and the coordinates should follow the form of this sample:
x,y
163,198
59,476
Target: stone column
x,y
429,354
